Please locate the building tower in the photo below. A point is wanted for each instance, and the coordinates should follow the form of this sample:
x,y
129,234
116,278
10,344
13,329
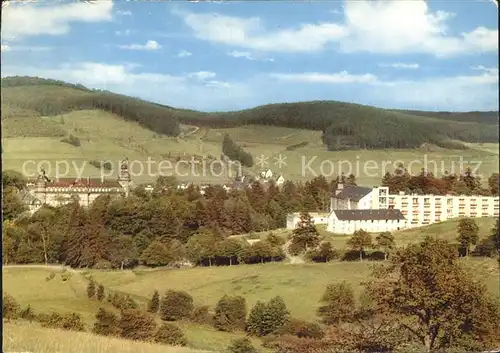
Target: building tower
x,y
40,191
124,178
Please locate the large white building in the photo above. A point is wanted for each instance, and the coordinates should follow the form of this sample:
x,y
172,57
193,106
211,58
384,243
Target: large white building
x,y
422,210
349,221
417,210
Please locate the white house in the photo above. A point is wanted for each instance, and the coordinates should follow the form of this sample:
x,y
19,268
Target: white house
x,y
280,180
293,219
372,221
350,197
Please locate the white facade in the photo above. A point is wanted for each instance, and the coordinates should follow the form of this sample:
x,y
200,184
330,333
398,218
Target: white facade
x,y
421,210
293,219
377,197
338,225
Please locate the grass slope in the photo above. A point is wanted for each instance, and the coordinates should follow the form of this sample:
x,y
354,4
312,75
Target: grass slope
x,y
28,338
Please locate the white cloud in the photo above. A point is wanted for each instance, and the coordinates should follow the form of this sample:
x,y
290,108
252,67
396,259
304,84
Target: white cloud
x,y
184,54
377,26
406,66
5,47
20,21
335,78
454,93
124,13
251,33
150,45
123,33
247,55
202,75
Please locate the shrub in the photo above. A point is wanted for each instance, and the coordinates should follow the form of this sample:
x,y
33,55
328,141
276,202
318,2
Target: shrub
x,y
230,313
107,323
293,344
72,140
91,290
28,314
100,292
241,345
137,325
324,253
201,315
65,275
268,318
51,276
302,329
170,334
122,301
154,303
338,304
176,305
72,321
10,307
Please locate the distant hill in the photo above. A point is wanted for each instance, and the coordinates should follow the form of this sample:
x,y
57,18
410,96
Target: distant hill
x,y
344,125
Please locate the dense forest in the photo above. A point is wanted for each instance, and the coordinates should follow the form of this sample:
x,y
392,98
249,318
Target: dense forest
x,y
171,224
344,125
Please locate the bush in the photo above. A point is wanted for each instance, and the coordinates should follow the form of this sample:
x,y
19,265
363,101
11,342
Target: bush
x,y
293,344
267,318
338,304
241,345
137,325
154,303
324,253
230,313
302,329
72,140
122,301
107,323
201,315
28,314
170,334
176,305
10,307
65,275
72,322
100,292
91,290
51,276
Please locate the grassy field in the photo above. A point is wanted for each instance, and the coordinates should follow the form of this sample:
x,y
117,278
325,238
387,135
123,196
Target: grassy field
x,y
29,338
305,282
106,136
444,230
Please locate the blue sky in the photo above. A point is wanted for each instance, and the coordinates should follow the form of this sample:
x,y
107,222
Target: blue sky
x,y
435,55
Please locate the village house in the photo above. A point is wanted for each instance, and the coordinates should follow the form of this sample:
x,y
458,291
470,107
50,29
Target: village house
x,y
60,191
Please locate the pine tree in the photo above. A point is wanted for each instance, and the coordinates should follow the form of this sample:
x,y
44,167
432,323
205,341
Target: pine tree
x,y
91,289
255,321
467,233
100,292
154,303
306,235
276,315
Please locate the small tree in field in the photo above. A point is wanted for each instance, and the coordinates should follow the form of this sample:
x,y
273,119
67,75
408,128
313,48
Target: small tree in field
x,y
176,305
467,233
154,303
230,313
241,345
107,323
170,334
100,292
306,235
385,240
360,241
338,304
91,289
137,325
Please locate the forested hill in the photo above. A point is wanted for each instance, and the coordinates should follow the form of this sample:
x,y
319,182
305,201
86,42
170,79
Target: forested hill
x,y
344,125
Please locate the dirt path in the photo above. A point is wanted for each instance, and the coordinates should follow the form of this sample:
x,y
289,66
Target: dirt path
x,y
194,131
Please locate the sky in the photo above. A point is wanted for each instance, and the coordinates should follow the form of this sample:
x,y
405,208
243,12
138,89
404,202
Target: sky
x,y
228,55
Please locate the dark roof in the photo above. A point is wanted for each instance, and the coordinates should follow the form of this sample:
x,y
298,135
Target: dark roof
x,y
367,215
90,182
354,193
